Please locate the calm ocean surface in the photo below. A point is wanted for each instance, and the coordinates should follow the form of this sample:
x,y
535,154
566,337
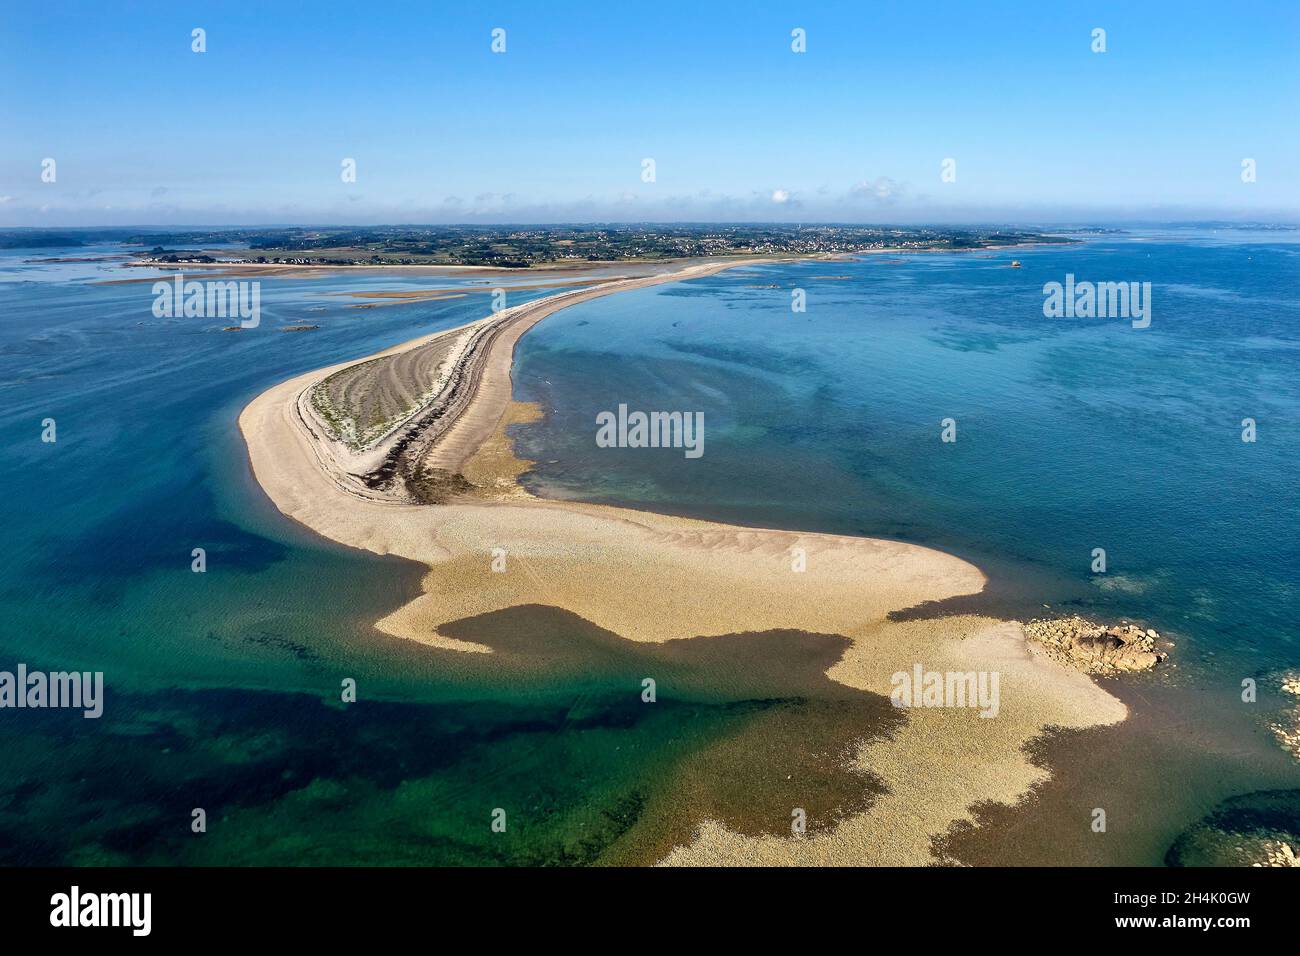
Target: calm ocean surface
x,y
1073,434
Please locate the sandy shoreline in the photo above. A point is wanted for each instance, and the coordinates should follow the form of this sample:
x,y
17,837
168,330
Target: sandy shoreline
x,y
649,577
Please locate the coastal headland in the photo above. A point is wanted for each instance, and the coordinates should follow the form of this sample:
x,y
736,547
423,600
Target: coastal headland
x,y
405,453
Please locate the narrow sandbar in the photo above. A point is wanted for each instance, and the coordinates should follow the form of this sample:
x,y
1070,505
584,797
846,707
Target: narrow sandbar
x,y
650,577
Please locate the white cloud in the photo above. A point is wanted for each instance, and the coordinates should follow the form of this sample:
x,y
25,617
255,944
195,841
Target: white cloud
x,y
780,195
882,189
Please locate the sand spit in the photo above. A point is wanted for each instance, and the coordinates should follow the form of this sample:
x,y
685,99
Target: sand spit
x,y
401,426
649,577
401,296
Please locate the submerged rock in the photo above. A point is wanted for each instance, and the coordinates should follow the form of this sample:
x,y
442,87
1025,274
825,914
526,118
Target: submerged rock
x,y
1256,829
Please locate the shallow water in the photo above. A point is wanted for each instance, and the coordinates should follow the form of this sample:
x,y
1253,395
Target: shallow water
x,y
1071,434
223,687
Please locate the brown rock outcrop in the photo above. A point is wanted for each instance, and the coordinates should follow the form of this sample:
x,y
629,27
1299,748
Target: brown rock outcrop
x,y
1097,648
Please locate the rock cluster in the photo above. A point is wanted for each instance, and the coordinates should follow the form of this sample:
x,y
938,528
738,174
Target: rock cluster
x,y
1287,730
1097,648
1279,854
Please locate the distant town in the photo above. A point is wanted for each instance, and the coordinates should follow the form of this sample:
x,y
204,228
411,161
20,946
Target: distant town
x,y
522,247
527,246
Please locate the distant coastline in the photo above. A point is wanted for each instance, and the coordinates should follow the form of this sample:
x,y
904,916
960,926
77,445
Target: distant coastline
x,y
565,266
513,248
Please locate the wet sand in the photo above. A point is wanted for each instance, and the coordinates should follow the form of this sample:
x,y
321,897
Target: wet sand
x,y
663,580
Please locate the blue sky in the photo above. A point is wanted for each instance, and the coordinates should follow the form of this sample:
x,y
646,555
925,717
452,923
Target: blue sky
x,y
145,131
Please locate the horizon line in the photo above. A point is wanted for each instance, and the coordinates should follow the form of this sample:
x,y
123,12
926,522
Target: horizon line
x,y
581,223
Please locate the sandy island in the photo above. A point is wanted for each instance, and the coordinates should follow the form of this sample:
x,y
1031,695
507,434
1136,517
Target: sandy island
x,y
649,577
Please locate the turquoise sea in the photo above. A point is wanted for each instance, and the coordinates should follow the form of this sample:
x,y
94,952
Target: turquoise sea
x,y
1072,434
